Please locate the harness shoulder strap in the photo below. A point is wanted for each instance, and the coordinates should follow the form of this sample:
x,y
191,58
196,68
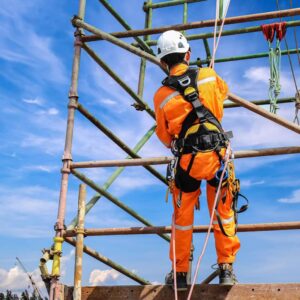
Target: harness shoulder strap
x,y
186,85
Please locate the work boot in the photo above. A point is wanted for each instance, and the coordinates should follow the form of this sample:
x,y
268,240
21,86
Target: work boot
x,y
226,275
180,279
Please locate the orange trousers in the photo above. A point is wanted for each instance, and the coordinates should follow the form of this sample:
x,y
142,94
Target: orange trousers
x,y
204,167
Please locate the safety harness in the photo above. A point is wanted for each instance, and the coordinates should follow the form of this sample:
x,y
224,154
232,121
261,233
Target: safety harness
x,y
201,132
209,137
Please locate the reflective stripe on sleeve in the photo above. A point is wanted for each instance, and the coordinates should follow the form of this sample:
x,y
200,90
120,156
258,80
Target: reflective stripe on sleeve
x,y
205,80
224,221
168,98
188,227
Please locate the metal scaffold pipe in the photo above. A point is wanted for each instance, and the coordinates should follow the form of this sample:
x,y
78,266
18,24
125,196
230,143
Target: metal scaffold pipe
x,y
168,4
196,229
108,37
200,62
143,105
205,35
79,243
125,25
114,200
67,157
261,102
264,113
117,141
109,262
114,176
202,24
166,160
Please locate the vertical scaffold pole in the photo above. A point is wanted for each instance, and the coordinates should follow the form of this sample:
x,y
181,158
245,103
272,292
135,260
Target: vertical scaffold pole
x,y
148,24
79,242
55,293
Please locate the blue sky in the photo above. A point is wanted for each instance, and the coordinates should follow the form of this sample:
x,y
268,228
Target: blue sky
x,y
36,50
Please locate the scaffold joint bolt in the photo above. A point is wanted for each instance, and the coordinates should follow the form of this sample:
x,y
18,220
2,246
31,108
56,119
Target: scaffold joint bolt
x,y
138,106
145,7
80,231
58,226
74,19
73,102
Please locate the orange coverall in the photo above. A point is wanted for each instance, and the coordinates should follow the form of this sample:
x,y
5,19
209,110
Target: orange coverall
x,y
171,109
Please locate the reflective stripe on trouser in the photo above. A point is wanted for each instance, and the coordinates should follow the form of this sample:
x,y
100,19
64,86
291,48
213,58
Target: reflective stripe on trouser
x,y
184,219
226,247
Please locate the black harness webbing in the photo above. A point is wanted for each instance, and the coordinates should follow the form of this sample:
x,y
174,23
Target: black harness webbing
x,y
186,85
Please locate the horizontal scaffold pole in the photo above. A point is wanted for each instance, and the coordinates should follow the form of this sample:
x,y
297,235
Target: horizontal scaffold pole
x,y
168,4
110,72
261,102
198,24
205,35
166,159
116,140
116,201
114,176
196,229
109,262
200,62
262,112
125,25
108,37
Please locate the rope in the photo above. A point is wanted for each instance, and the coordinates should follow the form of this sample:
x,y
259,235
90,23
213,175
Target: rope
x,y
296,119
174,258
227,156
275,87
288,51
295,35
216,43
297,108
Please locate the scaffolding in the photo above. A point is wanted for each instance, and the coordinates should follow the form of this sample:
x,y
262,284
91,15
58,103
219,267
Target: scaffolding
x,y
142,48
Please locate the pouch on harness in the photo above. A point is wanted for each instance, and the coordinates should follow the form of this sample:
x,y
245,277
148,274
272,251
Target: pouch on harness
x,y
203,136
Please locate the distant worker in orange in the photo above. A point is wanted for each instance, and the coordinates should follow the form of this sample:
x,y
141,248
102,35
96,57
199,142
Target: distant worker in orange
x,y
189,109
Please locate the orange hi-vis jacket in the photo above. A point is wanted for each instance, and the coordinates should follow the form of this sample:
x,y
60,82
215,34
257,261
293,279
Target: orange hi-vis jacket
x,y
171,109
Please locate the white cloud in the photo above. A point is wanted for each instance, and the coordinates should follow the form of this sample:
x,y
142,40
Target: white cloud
x,y
257,74
294,198
53,111
36,101
108,101
249,183
98,277
42,168
17,280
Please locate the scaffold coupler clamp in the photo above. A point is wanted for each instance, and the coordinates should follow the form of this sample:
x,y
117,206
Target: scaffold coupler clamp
x,y
171,168
297,97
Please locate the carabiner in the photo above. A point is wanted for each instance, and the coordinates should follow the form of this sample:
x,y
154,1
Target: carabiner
x,y
220,171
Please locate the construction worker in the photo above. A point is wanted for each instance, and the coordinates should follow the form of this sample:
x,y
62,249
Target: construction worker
x,y
188,108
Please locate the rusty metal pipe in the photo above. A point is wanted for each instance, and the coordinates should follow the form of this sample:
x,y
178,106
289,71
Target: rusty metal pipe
x,y
197,229
206,23
262,112
110,38
211,277
79,242
67,156
93,253
167,159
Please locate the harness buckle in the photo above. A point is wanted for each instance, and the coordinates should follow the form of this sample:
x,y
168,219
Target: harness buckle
x,y
185,81
220,171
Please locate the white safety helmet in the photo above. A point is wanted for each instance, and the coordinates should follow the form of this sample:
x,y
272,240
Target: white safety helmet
x,y
171,41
